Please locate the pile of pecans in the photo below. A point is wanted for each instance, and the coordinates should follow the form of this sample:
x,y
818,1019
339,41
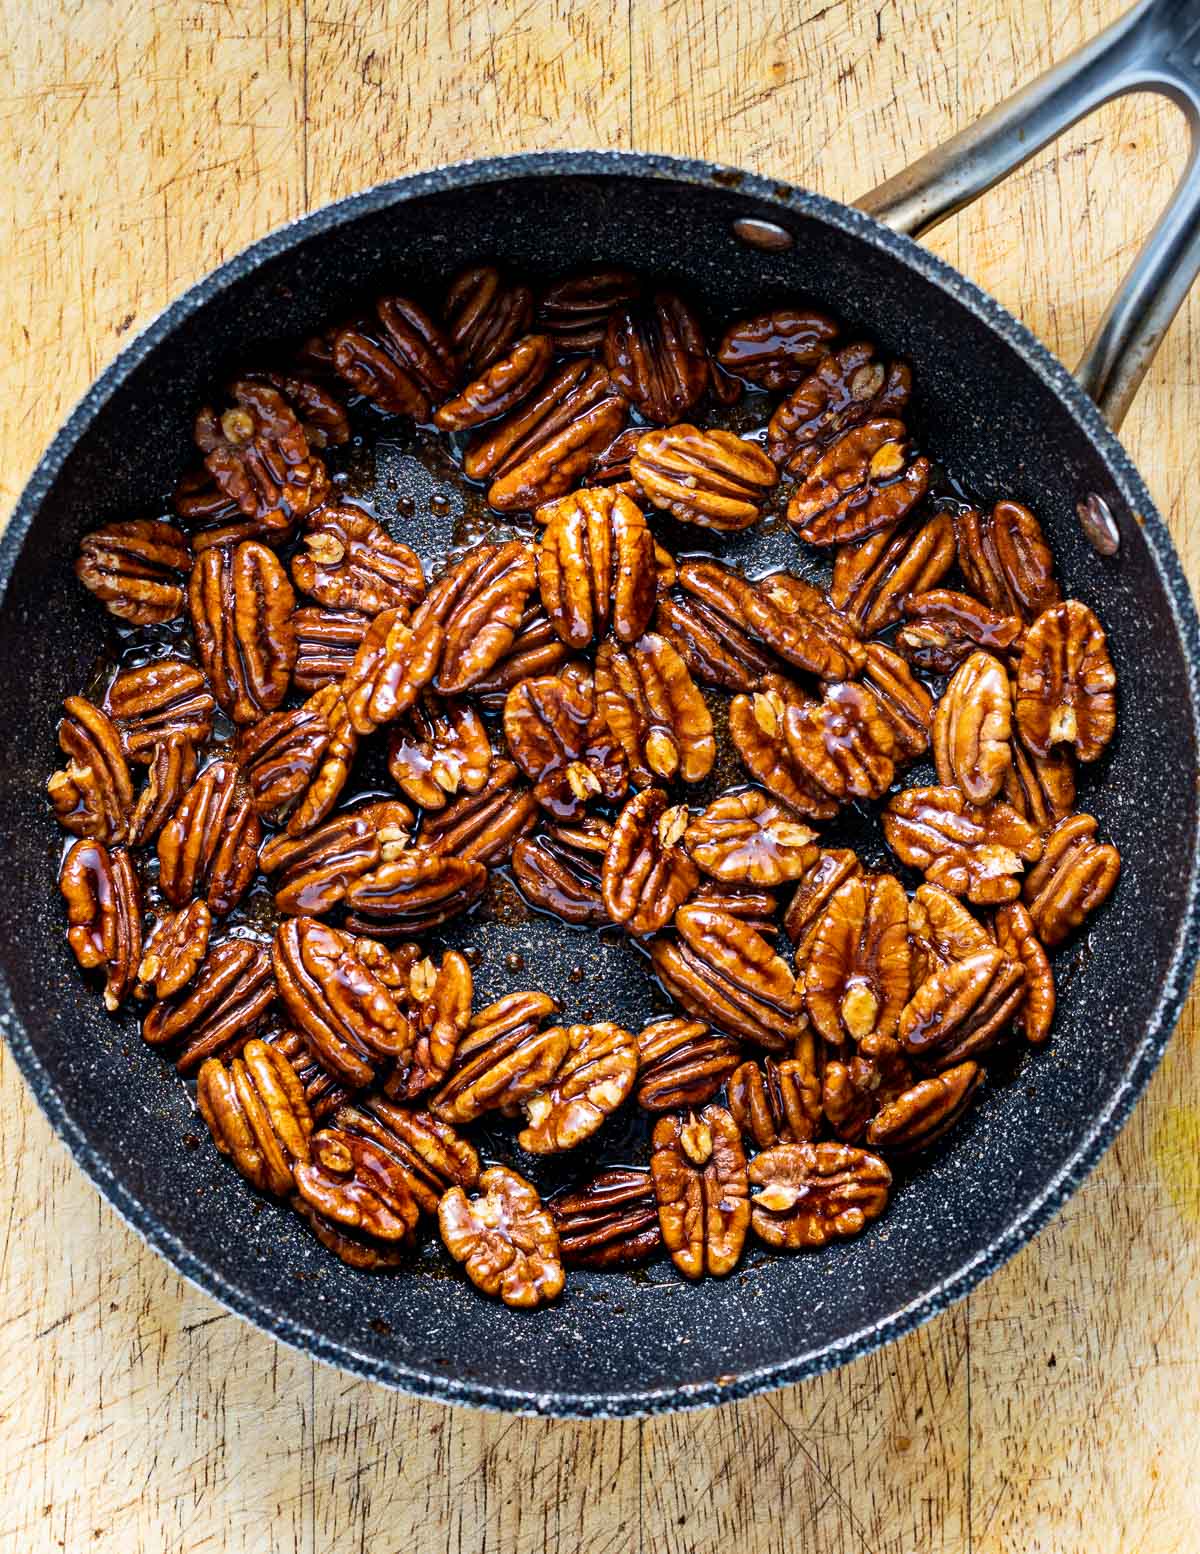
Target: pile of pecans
x,y
546,702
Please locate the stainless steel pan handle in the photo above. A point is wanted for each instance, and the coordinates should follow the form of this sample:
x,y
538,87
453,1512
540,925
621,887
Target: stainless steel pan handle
x,y
1154,47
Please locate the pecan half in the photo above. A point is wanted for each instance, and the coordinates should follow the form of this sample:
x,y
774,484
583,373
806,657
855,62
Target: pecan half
x,y
748,839
326,642
1066,684
655,352
323,1091
393,665
314,871
810,1194
137,570
561,742
975,851
209,846
646,873
961,1009
612,1222
972,728
536,649
441,750
872,581
779,1103
355,1195
575,311
756,907
776,350
505,1056
905,703
943,627
484,314
560,871
817,755
219,1009
92,795
830,870
212,518
507,381
504,1238
171,772
847,387
758,729
865,481
162,702
856,980
855,1085
654,711
482,827
297,762
479,604
431,1155
413,890
174,950
1006,561
1041,788
400,360
104,914
683,1064
439,1011
241,605
941,931
259,457
698,1168
711,478
596,568
348,561
922,1114
323,417
1017,937
257,1114
716,650
593,1079
1075,876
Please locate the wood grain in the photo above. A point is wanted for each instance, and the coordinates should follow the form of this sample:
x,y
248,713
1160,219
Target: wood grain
x,y
1053,1411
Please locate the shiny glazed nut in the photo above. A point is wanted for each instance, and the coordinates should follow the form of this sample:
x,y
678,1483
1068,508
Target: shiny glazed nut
x,y
104,915
711,478
323,1091
961,1009
212,518
779,1103
655,353
484,314
756,907
1075,876
560,872
806,1195
393,665
856,980
355,1196
1066,684
921,1115
507,381
326,642
218,1010
548,721
314,871
164,701
210,844
174,951
536,649
323,417
505,1056
975,851
257,1114
1017,937
905,703
972,728
1041,788
401,359
846,387
92,795
716,650
596,568
776,350
757,728
413,890
482,827
1006,561
137,570
843,746
171,772
297,762
683,1064
594,1078
431,1156
941,931
943,627
504,1238
646,873
440,751
749,839
828,872
241,605
479,604
259,457
439,1011
654,711
575,311
349,562
612,1222
698,1168
873,580
865,481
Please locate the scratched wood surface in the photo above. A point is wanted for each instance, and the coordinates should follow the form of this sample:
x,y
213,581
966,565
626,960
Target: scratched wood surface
x,y
1053,1411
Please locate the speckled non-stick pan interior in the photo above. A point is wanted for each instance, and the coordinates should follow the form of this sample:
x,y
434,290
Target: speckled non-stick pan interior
x,y
990,405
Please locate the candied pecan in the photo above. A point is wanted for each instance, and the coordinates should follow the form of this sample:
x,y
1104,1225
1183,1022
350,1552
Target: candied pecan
x,y
104,914
856,980
716,650
776,350
212,518
431,1155
393,665
943,627
905,703
1017,937
654,710
137,570
257,1114
612,1222
413,890
171,771
315,870
961,1009
439,1010
509,379
241,604
756,907
1066,684
575,311
484,314
778,1103
505,1239
560,740
757,728
748,839
698,1168
593,1079
504,1057
162,702
92,795
972,728
400,360
560,871
711,478
846,387
829,871
683,1063
348,561
1006,561
441,750
536,649
210,844
941,931
1076,874
323,1091
721,969
356,1197
873,579
810,1194
174,950
975,851
840,748
919,1116
849,1090
296,762
646,873
1041,788
655,352
259,457
865,481
323,417
479,603
595,568
482,827
218,1009
326,642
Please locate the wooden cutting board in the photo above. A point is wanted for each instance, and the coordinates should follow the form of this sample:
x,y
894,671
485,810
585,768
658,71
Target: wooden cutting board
x,y
1056,1409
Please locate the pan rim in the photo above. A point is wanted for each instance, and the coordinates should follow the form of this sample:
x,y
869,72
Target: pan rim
x,y
1161,1021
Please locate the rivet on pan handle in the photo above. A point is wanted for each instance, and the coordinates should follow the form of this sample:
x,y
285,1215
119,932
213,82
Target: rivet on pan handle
x,y
1154,47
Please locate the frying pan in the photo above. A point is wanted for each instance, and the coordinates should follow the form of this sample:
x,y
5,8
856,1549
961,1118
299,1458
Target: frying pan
x,y
993,406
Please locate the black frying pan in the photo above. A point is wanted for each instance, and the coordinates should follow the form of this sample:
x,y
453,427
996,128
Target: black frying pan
x,y
992,405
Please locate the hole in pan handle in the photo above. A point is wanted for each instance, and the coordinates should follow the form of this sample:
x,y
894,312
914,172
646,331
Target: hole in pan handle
x,y
1154,47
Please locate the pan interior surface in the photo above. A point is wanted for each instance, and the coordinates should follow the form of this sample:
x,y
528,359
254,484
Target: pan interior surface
x,y
988,405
